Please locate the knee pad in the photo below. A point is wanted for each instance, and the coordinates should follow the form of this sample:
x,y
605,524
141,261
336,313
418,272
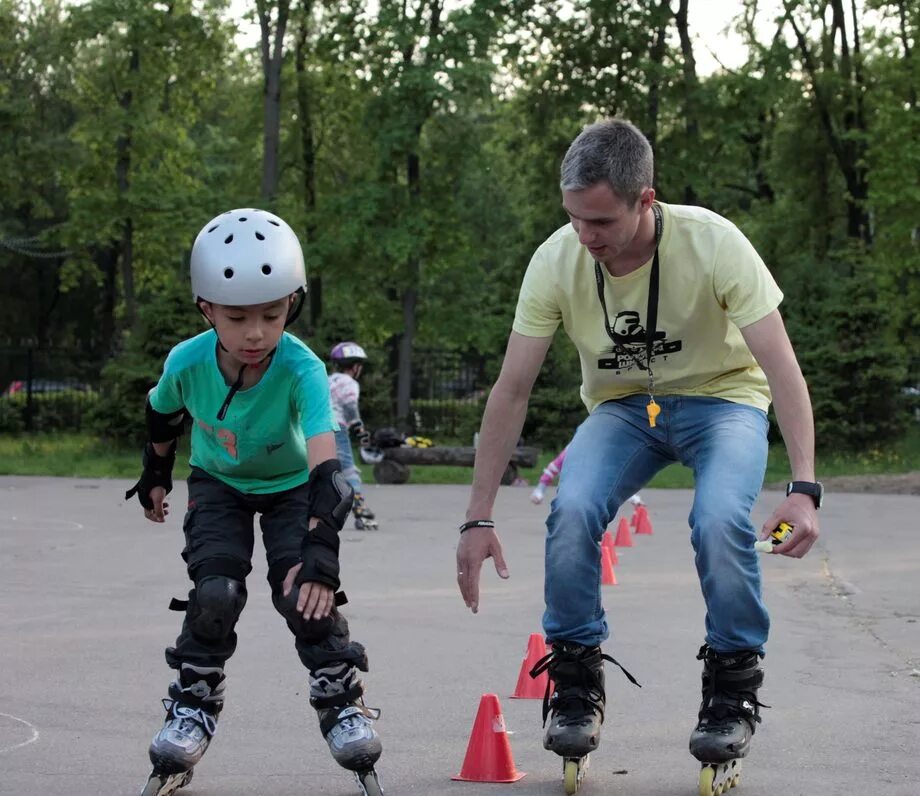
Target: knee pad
x,y
214,606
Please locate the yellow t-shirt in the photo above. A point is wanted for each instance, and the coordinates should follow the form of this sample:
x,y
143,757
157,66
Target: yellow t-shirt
x,y
712,283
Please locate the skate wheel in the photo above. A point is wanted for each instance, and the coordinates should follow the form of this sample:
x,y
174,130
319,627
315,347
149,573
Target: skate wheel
x,y
369,783
166,784
717,779
573,773
707,776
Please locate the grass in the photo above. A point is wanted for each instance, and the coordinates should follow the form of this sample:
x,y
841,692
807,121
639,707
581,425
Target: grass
x,y
80,455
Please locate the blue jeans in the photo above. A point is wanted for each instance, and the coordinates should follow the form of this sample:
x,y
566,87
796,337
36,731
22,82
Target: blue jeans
x,y
614,454
347,460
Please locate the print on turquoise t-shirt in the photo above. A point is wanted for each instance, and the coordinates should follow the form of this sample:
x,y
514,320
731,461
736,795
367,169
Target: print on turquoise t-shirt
x,y
260,446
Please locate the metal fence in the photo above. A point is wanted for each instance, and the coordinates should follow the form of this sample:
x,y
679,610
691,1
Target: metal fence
x,y
51,389
448,391
44,389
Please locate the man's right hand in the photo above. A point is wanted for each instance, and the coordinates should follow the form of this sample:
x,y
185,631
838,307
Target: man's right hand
x,y
476,545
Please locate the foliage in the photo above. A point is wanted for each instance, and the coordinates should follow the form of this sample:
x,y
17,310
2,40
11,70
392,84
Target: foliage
x,y
425,172
164,320
66,410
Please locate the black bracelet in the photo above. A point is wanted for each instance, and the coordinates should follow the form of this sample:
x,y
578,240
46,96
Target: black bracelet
x,y
476,524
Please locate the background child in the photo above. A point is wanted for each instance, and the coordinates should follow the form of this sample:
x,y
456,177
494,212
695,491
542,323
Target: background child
x,y
262,443
348,360
551,473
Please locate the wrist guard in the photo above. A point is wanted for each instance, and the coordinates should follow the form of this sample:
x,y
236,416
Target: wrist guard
x,y
360,433
157,472
164,427
330,501
320,554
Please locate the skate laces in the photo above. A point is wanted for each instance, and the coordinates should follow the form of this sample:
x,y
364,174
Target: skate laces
x,y
730,686
189,718
575,671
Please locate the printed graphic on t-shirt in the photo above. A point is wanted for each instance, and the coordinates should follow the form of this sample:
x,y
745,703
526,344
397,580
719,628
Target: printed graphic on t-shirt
x,y
629,341
224,436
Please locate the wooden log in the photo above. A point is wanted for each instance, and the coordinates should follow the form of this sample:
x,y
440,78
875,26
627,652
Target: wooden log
x,y
391,472
453,456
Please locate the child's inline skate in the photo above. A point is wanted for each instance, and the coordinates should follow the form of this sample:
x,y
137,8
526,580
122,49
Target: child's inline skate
x,y
195,700
365,519
336,693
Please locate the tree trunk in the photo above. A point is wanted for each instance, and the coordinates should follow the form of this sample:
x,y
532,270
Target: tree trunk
x,y
123,182
410,292
272,49
656,57
691,87
308,150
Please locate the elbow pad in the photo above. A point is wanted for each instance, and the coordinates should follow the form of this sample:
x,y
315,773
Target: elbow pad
x,y
164,427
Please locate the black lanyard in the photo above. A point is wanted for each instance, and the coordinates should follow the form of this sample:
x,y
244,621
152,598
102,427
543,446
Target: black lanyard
x,y
651,315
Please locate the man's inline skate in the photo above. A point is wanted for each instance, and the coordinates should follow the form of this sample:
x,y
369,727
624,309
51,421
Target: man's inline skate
x,y
336,693
729,714
195,700
365,519
576,706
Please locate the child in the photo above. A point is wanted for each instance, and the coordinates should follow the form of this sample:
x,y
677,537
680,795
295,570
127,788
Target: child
x,y
262,442
551,472
347,363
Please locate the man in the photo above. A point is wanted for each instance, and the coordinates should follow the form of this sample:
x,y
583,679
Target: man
x,y
675,319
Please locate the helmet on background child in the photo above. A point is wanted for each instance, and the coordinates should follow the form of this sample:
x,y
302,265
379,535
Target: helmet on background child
x,y
346,354
245,257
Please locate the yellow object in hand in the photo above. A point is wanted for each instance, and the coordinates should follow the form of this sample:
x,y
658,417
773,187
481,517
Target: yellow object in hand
x,y
653,411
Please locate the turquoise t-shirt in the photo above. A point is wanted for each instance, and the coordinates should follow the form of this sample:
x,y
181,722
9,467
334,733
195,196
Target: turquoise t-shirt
x,y
260,446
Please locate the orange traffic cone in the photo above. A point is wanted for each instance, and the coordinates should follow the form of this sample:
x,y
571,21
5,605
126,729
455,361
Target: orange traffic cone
x,y
608,576
607,541
488,755
643,524
532,687
623,537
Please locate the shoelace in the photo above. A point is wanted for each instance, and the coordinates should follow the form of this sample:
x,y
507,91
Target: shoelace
x,y
355,717
594,695
189,715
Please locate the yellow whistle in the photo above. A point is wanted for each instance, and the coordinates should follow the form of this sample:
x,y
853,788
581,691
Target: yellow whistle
x,y
653,411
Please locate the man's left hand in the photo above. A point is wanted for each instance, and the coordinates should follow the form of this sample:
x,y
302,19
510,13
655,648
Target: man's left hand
x,y
799,511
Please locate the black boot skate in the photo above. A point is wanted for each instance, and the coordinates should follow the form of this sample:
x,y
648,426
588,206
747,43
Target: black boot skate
x,y
365,519
195,700
576,706
729,714
346,723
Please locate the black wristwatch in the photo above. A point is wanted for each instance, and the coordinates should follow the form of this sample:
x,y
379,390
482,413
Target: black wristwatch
x,y
815,490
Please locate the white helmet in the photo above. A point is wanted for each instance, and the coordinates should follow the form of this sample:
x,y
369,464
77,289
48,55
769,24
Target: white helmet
x,y
246,257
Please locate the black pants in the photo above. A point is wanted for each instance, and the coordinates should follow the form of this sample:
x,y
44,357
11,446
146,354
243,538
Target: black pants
x,y
219,542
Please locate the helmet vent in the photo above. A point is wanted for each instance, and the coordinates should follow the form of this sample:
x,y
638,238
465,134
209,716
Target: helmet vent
x,y
228,273
270,221
214,227
260,236
266,269
242,218
229,238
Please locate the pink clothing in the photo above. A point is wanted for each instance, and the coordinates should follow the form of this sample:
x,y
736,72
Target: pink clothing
x,y
553,468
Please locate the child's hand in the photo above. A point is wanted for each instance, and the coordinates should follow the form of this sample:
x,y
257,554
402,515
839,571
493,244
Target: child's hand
x,y
160,507
315,601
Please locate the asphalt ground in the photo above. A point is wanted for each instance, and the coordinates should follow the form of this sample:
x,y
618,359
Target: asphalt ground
x,y
85,582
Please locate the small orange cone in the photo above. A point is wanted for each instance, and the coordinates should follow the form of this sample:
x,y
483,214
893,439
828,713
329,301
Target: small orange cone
x,y
623,537
608,576
488,755
643,524
529,687
607,541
